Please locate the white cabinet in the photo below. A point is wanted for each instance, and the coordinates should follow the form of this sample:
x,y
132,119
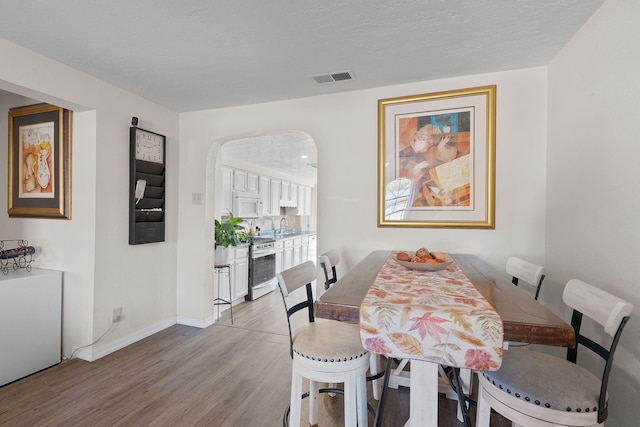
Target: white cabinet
x,y
264,190
279,256
239,266
304,200
297,251
304,249
227,191
275,197
240,180
289,194
245,181
313,251
288,254
252,182
30,319
240,273
293,194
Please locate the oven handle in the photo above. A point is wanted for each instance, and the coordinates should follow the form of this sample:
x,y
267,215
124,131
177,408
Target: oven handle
x,y
265,253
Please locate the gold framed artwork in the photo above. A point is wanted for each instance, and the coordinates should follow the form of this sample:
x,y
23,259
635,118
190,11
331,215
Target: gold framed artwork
x,y
436,159
39,162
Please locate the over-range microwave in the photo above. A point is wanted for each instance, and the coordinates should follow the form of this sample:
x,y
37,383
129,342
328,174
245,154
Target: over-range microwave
x,y
247,205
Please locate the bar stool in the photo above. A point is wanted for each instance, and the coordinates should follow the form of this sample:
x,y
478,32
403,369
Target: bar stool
x,y
219,270
328,262
326,351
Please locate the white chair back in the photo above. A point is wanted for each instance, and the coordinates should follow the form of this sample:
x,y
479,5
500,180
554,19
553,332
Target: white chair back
x,y
526,271
604,308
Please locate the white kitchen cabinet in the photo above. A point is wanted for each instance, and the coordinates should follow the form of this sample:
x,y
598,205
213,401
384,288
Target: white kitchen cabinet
x,y
313,248
293,194
279,256
264,190
30,322
297,251
304,200
253,181
275,197
287,262
239,266
227,191
289,194
240,179
240,274
304,249
285,190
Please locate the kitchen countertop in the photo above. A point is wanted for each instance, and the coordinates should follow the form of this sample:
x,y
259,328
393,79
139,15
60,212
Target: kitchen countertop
x,y
287,234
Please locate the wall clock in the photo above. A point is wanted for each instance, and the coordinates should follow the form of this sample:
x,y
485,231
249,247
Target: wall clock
x,y
146,186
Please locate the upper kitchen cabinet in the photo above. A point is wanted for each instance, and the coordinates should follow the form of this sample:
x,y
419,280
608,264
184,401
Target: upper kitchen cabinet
x,y
264,190
245,181
304,200
288,194
275,197
227,190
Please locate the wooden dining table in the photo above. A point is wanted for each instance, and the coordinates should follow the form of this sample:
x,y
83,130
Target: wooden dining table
x,y
524,319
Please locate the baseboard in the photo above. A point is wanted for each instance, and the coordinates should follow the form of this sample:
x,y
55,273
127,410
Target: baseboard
x,y
95,352
197,323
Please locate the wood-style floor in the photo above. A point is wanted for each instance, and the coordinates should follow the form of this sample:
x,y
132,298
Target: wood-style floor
x,y
224,375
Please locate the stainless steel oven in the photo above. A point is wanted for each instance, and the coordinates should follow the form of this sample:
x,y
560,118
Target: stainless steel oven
x,y
262,267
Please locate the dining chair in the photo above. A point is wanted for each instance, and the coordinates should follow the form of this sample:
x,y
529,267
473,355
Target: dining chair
x,y
322,350
534,388
522,270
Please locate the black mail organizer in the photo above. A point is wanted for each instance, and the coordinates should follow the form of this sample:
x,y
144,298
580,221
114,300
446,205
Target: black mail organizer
x,y
146,208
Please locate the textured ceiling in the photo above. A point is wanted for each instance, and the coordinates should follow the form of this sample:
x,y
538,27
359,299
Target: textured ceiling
x,y
200,54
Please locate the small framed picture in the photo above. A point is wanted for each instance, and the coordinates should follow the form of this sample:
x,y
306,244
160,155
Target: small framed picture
x,y
39,162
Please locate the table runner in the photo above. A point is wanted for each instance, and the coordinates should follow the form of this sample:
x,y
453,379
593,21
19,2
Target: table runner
x,y
436,316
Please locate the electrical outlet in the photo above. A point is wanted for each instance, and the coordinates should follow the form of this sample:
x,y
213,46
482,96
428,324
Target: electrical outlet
x,y
117,314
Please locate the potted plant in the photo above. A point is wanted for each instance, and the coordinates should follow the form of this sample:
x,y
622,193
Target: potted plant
x,y
228,233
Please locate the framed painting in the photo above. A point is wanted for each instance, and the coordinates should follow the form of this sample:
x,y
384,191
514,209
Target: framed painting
x,y
39,162
436,159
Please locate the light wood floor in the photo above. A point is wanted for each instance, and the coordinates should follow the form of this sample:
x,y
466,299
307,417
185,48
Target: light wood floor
x,y
223,375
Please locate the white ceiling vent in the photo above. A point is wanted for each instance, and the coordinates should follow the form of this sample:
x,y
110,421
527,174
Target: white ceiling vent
x,y
339,76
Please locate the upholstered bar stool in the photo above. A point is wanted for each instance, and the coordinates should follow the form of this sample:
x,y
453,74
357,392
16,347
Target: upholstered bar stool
x,y
326,351
537,389
328,262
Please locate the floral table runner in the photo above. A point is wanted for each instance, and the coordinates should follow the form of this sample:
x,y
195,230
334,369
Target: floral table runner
x,y
437,317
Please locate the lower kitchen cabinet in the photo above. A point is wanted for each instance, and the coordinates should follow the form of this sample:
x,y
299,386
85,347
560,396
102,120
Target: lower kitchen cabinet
x,y
240,274
279,256
288,255
239,266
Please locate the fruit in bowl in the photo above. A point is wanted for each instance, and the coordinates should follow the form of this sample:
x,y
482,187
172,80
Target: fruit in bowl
x,y
422,259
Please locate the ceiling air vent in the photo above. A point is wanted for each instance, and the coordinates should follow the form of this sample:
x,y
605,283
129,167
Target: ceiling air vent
x,y
339,76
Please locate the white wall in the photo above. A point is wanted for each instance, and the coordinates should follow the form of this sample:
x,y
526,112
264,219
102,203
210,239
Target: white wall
x,y
101,271
344,127
593,203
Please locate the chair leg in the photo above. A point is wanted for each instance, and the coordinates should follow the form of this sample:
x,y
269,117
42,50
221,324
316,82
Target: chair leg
x,y
361,400
483,410
374,368
296,399
350,400
313,402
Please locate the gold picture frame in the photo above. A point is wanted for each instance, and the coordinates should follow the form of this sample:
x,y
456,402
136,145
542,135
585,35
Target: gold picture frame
x,y
436,159
39,162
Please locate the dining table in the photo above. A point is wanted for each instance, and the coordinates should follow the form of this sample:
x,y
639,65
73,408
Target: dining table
x,y
512,315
